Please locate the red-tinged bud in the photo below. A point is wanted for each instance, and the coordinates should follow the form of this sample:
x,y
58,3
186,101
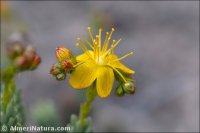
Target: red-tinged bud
x,y
36,61
66,65
57,71
21,63
29,56
63,53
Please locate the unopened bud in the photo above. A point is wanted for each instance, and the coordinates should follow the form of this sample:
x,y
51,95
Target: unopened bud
x,y
129,87
63,53
67,65
57,71
36,61
21,63
29,56
119,90
61,76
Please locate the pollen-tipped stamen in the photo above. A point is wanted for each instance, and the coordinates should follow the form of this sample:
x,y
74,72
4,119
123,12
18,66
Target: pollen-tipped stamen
x,y
98,44
126,55
95,49
104,44
98,52
88,43
108,40
83,46
84,50
118,72
100,30
112,47
90,33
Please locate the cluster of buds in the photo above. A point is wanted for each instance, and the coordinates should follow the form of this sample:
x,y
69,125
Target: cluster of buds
x,y
23,58
127,87
66,63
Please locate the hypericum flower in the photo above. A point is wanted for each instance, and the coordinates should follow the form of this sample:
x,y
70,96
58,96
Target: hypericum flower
x,y
99,64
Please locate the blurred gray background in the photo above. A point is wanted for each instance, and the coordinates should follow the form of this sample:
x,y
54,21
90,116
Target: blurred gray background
x,y
164,36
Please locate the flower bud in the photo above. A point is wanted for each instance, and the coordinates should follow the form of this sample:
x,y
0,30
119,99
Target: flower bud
x,y
63,53
36,61
29,56
21,63
129,87
119,90
61,76
57,71
67,65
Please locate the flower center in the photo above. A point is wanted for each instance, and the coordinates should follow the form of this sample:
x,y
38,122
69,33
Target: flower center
x,y
100,60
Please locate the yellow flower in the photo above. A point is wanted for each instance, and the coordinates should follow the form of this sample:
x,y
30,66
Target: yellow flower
x,y
99,64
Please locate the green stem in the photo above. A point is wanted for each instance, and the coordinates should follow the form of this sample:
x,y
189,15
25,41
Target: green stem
x,y
86,106
9,85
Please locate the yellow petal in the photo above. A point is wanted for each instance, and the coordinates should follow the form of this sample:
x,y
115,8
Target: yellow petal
x,y
119,65
84,56
84,75
105,81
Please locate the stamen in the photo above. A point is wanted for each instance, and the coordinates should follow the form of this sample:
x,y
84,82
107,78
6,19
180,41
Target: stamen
x,y
89,44
79,63
78,45
113,42
98,52
100,30
95,49
112,47
126,55
83,49
83,45
97,38
98,44
110,37
89,31
119,74
105,44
